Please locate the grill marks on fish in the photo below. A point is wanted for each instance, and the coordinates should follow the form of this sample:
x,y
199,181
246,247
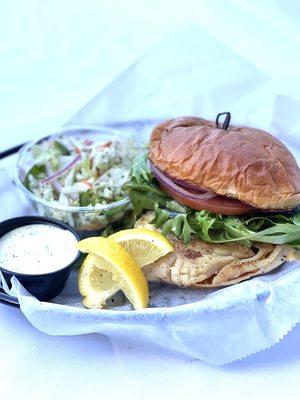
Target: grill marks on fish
x,y
192,254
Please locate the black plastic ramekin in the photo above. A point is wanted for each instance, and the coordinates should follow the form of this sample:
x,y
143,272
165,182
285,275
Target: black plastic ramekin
x,y
42,286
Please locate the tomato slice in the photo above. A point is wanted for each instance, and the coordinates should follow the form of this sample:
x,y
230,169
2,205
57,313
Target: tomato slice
x,y
200,200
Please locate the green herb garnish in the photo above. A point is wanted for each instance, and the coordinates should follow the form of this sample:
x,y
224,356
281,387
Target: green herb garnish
x,y
37,171
61,148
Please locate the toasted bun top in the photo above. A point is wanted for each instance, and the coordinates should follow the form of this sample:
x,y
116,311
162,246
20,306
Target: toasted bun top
x,y
242,163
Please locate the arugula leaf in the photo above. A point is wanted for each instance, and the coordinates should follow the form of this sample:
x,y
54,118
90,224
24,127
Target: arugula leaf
x,y
140,171
172,221
142,192
220,229
185,222
296,219
142,200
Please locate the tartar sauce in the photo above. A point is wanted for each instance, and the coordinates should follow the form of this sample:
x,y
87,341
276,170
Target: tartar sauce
x,y
37,249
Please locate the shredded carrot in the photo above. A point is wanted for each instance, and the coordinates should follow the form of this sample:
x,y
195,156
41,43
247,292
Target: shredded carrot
x,y
87,183
104,145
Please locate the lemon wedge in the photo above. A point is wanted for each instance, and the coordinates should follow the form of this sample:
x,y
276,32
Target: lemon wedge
x,y
108,268
144,245
95,285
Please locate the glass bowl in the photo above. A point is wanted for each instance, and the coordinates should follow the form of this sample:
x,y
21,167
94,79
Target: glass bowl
x,y
90,218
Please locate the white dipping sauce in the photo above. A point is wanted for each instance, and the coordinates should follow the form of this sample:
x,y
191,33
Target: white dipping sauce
x,y
37,249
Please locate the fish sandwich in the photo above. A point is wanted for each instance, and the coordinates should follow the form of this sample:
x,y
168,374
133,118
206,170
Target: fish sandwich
x,y
228,198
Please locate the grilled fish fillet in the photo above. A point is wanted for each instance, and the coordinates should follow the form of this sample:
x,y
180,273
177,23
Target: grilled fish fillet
x,y
200,264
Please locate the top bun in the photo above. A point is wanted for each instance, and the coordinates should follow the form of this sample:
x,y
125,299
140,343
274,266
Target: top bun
x,y
242,163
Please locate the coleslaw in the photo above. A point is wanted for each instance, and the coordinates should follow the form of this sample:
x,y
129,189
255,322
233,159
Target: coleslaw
x,y
70,171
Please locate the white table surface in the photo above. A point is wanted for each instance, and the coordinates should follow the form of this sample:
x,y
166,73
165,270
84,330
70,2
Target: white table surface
x,y
54,56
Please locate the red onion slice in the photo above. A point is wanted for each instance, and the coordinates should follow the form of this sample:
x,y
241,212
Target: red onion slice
x,y
200,200
56,185
57,174
192,193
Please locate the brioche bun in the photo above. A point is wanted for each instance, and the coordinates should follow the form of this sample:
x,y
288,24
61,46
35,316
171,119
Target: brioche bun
x,y
241,163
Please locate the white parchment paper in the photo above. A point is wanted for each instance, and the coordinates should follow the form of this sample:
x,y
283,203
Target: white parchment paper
x,y
189,73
